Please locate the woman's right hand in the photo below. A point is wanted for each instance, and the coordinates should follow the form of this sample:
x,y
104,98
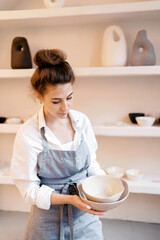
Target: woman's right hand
x,y
77,202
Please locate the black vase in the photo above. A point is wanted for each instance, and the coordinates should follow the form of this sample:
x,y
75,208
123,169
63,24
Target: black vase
x,y
20,54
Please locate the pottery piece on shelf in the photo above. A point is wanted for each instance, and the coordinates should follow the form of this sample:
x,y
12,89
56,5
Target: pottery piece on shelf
x,y
133,116
2,119
54,3
143,51
20,54
114,49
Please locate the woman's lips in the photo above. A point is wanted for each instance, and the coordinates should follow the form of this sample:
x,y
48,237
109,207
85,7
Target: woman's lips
x,y
63,114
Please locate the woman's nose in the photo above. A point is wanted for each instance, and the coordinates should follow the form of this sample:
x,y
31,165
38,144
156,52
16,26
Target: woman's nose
x,y
64,106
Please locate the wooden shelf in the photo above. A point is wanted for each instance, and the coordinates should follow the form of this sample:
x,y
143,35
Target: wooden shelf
x,y
81,14
127,131
6,180
109,131
9,128
146,187
147,184
146,71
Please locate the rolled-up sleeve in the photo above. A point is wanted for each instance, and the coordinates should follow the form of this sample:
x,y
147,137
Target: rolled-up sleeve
x,y
24,173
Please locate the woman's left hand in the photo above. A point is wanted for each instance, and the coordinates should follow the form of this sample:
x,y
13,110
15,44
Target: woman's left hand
x,y
77,202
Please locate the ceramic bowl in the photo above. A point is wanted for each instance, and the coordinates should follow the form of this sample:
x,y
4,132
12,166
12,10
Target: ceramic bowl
x,y
104,206
117,172
134,174
102,188
14,120
145,121
133,116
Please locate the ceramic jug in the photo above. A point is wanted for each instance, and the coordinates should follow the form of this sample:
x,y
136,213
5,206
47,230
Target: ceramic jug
x,y
20,54
142,51
114,49
54,3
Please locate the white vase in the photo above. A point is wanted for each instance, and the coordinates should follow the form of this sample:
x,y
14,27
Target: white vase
x,y
54,3
114,49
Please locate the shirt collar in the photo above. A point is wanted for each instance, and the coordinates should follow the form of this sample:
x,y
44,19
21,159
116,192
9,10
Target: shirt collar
x,y
41,119
42,122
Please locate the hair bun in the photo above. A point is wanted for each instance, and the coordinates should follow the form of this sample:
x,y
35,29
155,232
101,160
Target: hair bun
x,y
49,57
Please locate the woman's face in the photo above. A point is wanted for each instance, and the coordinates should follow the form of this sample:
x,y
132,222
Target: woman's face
x,y
57,101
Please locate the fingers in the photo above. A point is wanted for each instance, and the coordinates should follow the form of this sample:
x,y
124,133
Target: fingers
x,y
94,212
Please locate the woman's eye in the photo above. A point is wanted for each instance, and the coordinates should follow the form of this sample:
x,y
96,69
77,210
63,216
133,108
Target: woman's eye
x,y
56,102
69,98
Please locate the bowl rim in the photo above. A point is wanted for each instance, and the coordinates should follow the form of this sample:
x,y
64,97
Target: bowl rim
x,y
145,117
79,186
104,198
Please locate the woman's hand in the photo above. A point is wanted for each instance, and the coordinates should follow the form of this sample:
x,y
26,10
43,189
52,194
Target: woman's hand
x,y
77,202
74,200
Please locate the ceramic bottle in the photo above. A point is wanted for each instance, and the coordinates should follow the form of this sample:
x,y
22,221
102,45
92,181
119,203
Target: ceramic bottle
x,y
114,49
142,51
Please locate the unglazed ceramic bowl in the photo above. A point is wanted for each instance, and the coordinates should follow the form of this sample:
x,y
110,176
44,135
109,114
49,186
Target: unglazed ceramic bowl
x,y
102,188
134,174
115,171
145,121
104,206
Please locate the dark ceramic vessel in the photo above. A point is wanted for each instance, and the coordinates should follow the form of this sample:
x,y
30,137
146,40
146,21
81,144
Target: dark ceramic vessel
x,y
2,119
133,116
20,54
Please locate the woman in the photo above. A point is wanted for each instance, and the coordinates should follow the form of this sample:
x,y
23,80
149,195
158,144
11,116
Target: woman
x,y
54,150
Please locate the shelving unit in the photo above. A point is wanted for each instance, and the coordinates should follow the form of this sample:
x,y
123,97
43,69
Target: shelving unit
x,y
142,186
131,130
89,72
32,22
9,128
80,15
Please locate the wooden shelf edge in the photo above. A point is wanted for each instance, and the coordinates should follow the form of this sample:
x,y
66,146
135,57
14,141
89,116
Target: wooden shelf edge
x,y
112,131
90,72
127,131
80,14
140,187
6,180
80,10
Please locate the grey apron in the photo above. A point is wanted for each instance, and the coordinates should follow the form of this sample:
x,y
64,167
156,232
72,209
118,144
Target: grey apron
x,y
61,170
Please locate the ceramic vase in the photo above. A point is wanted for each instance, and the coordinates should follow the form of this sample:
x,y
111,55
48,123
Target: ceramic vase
x,y
54,3
114,49
143,51
20,54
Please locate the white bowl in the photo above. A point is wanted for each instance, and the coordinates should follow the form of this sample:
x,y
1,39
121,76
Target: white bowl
x,y
117,172
102,188
14,120
145,121
104,206
134,174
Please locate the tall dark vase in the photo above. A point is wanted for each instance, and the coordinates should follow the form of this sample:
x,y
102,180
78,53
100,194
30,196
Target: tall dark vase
x,y
143,51
20,54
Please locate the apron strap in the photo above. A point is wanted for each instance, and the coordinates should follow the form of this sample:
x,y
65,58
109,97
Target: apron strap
x,y
44,140
70,213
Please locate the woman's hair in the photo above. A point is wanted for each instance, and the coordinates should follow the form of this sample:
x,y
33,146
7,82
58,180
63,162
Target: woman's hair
x,y
52,69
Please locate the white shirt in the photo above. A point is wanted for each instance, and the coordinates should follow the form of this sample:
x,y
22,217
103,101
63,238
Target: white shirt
x,y
28,145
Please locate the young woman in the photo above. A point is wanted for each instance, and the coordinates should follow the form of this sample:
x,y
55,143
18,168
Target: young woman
x,y
54,150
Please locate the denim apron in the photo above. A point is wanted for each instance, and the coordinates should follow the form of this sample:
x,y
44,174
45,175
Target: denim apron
x,y
61,170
